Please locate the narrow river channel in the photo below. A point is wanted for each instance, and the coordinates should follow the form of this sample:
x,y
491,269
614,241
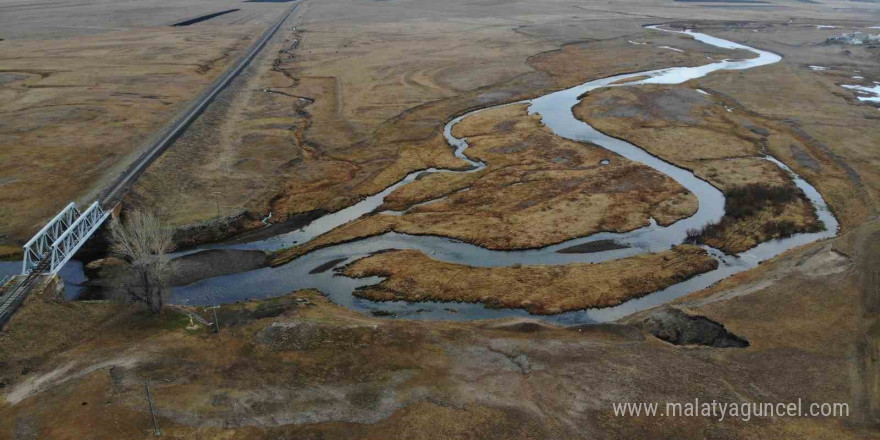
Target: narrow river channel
x,y
555,110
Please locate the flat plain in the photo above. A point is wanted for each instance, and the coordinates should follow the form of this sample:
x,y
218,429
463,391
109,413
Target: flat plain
x,y
350,97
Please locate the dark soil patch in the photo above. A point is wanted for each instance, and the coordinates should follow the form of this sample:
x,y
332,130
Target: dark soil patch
x,y
215,262
521,326
677,327
746,200
215,231
805,159
240,314
6,78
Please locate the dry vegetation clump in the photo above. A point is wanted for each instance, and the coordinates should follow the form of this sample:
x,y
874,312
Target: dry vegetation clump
x,y
543,290
427,187
747,200
756,213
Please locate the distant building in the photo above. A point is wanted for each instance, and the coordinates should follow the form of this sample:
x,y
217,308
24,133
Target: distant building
x,y
855,38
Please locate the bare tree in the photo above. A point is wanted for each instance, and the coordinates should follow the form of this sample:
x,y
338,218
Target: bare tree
x,y
142,242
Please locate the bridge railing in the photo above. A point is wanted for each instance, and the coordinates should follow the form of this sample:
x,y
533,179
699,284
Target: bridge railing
x,y
41,244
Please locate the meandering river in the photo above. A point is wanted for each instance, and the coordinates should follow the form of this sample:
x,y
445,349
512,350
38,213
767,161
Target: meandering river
x,y
555,110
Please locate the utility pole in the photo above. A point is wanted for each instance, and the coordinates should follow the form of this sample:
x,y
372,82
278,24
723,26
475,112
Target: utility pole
x,y
156,430
216,321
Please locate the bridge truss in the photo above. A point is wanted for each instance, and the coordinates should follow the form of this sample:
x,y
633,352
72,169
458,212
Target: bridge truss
x,y
59,240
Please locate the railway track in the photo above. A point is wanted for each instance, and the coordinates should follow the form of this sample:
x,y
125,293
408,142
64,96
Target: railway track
x,y
10,301
114,193
108,198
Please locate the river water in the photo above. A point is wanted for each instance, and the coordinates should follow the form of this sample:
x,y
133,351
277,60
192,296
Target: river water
x,y
555,110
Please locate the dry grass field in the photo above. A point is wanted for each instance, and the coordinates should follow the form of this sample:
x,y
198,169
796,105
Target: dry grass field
x,y
726,148
34,22
347,102
339,124
85,85
302,367
350,97
817,127
797,114
794,112
353,108
542,290
76,111
537,190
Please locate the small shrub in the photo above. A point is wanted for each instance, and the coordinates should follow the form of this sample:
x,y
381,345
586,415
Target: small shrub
x,y
693,236
746,200
741,206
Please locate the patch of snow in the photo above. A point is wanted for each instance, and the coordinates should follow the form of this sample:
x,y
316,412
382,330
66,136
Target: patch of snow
x,y
703,92
825,26
671,48
858,77
635,42
865,90
818,68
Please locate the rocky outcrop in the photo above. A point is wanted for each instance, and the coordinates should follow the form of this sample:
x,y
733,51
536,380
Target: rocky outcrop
x,y
677,327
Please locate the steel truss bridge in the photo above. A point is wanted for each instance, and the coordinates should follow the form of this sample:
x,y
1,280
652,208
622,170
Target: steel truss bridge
x,y
59,240
50,249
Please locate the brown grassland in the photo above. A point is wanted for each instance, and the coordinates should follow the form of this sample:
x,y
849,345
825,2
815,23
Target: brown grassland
x,y
725,148
346,118
76,111
537,190
542,290
301,366
352,96
815,126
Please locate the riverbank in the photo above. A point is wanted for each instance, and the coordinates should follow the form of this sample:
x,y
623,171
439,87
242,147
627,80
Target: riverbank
x,y
541,290
301,366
